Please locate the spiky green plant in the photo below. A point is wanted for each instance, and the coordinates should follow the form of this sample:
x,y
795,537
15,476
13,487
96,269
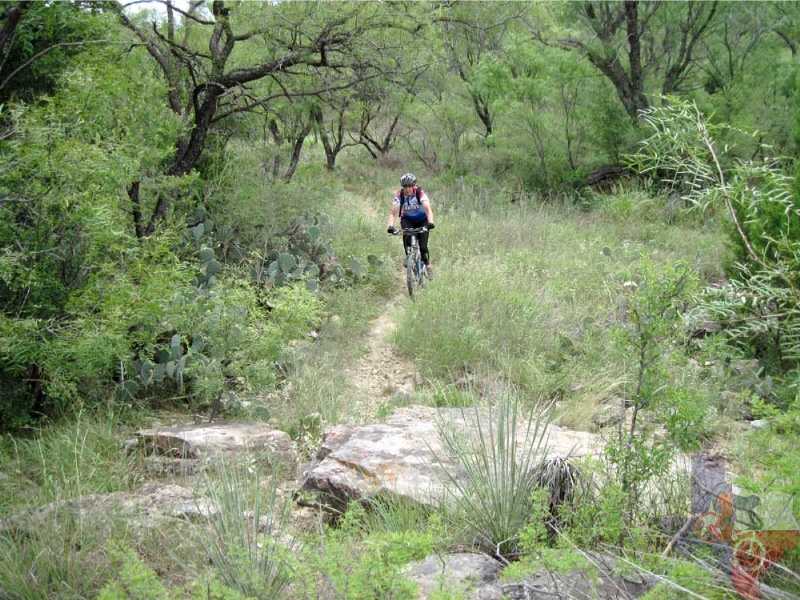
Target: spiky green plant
x,y
499,450
562,481
247,538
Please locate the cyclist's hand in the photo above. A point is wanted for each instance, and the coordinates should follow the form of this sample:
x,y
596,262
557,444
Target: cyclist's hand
x,y
391,230
429,226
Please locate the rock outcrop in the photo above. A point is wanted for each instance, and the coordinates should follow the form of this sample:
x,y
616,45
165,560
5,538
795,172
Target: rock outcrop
x,y
203,441
144,508
406,455
478,577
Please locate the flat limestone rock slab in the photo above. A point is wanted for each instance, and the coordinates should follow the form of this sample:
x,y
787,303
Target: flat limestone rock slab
x,y
200,441
406,455
476,576
600,579
145,507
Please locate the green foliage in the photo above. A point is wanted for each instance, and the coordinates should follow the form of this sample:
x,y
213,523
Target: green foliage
x,y
46,38
453,396
295,310
552,560
364,556
71,272
59,556
133,580
758,310
768,213
534,537
498,457
247,538
81,457
649,327
770,454
686,580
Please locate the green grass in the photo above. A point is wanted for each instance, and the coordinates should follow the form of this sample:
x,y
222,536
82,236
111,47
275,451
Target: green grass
x,y
526,296
493,498
80,456
247,539
531,292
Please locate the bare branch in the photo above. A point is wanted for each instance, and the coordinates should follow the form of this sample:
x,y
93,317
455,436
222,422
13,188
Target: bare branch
x,y
191,14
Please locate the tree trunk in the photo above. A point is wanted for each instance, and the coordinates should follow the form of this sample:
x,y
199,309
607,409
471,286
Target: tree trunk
x,y
276,137
638,100
13,15
133,194
482,109
296,148
204,115
330,151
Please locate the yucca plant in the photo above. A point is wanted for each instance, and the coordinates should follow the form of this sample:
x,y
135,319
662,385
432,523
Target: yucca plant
x,y
499,451
247,538
562,482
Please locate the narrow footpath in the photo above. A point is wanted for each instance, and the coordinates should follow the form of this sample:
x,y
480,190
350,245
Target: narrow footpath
x,y
382,375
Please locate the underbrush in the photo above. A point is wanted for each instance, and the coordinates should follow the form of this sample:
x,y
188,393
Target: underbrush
x,y
530,293
529,298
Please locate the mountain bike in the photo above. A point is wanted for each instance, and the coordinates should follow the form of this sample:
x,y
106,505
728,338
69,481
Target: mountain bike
x,y
416,273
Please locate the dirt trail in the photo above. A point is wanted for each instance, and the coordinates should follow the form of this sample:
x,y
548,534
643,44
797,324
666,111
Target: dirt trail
x,y
382,373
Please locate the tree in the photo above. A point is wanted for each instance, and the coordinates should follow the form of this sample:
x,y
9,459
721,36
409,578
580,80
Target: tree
x,y
37,39
474,34
216,64
735,35
629,45
13,13
785,21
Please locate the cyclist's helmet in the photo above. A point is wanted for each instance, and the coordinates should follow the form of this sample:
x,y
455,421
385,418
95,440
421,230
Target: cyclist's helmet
x,y
408,179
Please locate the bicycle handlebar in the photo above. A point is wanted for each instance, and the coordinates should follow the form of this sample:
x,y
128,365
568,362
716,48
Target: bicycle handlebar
x,y
410,230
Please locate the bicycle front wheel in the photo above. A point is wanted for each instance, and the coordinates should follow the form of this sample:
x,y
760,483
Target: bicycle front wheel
x,y
411,274
422,275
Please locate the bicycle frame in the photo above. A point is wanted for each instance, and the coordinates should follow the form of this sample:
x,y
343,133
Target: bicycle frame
x,y
415,268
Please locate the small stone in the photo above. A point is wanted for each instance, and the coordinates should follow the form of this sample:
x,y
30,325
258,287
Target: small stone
x,y
609,414
759,423
130,446
402,393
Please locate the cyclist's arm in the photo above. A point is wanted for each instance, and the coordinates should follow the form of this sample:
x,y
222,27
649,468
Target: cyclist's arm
x,y
426,204
393,215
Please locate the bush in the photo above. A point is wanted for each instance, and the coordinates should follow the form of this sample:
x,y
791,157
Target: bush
x,y
247,539
493,497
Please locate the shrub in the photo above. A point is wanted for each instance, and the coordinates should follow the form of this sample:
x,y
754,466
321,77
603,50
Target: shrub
x,y
247,539
493,495
759,313
364,556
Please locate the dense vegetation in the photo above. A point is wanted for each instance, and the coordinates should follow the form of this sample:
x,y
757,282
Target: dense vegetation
x,y
186,193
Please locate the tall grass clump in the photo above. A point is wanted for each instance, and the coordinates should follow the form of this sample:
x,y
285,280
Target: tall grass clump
x,y
499,449
528,290
61,552
77,457
61,555
247,539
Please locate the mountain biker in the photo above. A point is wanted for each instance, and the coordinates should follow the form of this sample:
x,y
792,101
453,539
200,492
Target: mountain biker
x,y
413,207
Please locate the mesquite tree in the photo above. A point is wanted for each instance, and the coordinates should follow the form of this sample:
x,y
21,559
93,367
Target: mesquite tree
x,y
631,41
244,57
